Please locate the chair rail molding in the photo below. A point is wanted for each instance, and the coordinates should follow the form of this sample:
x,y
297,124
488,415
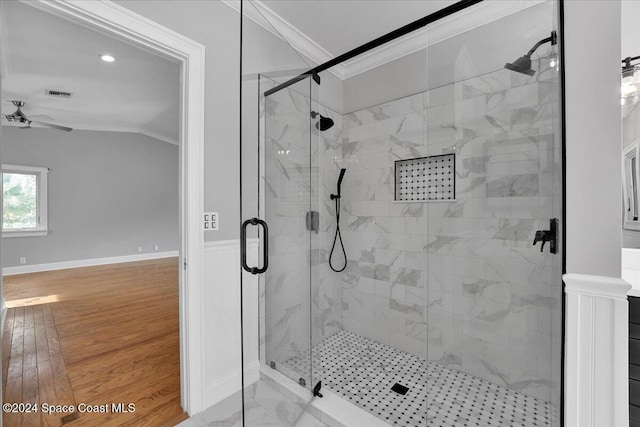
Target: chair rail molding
x,y
596,351
108,17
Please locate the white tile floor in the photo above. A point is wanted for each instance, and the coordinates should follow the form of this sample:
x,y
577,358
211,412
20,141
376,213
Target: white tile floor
x,y
363,371
265,406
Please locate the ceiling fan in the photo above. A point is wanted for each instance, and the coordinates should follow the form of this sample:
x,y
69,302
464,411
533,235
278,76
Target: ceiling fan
x,y
19,117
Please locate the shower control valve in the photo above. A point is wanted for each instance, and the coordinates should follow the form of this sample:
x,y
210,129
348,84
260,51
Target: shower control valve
x,y
550,236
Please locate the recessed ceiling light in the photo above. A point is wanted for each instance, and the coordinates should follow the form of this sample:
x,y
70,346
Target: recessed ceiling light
x,y
107,58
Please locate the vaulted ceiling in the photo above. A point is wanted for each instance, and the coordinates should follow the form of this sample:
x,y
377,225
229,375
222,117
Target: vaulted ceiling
x,y
139,92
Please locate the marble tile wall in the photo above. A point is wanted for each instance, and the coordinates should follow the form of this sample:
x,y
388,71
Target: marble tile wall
x,y
285,302
300,166
455,282
458,282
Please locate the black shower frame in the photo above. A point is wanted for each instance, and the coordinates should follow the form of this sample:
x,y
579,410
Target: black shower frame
x,y
413,26
409,28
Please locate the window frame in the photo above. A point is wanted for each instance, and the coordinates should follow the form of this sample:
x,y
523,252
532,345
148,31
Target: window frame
x,y
42,228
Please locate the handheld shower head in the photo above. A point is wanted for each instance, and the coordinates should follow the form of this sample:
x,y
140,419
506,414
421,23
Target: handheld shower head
x,y
339,186
342,171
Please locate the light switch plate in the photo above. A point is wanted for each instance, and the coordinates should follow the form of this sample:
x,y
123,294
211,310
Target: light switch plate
x,y
210,221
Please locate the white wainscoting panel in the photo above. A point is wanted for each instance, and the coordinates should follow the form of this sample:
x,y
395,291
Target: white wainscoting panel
x,y
221,336
596,357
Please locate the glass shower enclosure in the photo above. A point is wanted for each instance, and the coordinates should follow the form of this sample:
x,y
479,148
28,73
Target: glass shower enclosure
x,y
439,302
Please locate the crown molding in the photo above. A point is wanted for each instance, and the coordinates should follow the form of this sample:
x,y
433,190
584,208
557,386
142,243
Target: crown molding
x,y
446,28
434,33
282,29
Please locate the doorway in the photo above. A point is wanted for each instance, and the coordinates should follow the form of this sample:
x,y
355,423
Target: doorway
x,y
118,22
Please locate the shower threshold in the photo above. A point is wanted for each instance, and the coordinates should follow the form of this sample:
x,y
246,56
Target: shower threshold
x,y
363,373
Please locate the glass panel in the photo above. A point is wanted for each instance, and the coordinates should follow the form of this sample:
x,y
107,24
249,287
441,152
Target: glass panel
x,y
287,198
19,201
499,323
444,310
373,351
276,182
551,96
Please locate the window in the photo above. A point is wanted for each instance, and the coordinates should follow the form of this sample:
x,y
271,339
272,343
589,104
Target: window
x,y
24,201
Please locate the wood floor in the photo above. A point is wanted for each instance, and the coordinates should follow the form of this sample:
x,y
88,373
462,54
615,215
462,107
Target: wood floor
x,y
94,336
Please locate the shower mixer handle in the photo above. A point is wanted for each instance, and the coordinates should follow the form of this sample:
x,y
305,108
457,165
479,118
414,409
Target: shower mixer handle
x,y
550,236
541,236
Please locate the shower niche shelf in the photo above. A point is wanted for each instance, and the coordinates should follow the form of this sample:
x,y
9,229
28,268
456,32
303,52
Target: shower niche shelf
x,y
426,179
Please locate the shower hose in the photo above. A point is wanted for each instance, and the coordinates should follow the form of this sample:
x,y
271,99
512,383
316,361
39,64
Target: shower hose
x,y
336,237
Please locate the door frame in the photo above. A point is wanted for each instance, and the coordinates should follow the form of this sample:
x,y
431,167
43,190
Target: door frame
x,y
114,20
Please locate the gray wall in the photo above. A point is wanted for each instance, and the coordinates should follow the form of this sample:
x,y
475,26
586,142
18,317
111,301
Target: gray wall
x,y
593,135
108,193
217,27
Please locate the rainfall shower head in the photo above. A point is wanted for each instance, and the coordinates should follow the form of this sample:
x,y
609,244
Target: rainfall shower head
x,y
523,64
324,123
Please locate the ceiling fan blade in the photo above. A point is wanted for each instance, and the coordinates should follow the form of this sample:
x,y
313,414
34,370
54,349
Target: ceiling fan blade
x,y
49,125
42,117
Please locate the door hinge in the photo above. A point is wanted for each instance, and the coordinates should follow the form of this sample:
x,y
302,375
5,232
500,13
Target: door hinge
x,y
185,264
316,390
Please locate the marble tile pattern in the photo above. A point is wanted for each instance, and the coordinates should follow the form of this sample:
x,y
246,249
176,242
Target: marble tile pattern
x,y
459,283
299,170
265,406
364,371
456,283
287,199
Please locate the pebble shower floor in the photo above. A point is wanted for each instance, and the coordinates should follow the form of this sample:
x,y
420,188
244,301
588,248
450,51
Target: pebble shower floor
x,y
363,371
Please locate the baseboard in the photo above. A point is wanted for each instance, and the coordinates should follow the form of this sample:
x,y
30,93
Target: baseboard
x,y
229,384
36,268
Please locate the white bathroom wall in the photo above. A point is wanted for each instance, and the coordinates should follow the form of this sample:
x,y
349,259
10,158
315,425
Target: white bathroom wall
x,y
221,337
593,137
596,328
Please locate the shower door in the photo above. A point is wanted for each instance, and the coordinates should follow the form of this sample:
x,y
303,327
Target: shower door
x,y
278,198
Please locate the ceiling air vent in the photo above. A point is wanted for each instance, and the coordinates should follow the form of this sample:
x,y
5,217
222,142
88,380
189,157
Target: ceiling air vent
x,y
57,93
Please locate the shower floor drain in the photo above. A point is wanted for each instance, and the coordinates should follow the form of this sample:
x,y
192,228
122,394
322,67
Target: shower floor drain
x,y
400,389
